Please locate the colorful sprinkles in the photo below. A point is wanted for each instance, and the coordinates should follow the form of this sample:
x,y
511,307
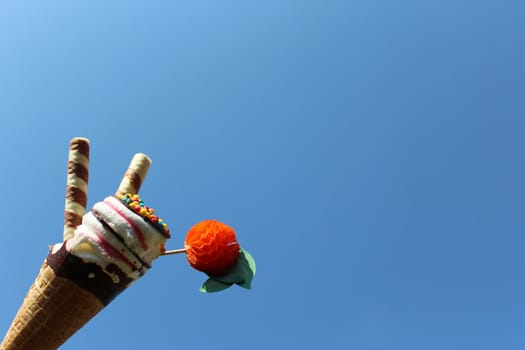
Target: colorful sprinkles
x,y
136,204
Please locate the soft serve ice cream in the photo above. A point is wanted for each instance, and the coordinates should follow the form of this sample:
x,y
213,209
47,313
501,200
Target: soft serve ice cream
x,y
115,243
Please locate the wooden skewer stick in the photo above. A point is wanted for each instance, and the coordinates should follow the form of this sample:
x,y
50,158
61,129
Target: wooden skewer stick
x,y
175,251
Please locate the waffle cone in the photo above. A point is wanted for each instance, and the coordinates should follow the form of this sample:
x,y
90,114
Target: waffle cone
x,y
53,310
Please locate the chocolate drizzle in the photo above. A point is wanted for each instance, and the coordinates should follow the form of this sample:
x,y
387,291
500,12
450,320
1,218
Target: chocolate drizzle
x,y
89,276
111,231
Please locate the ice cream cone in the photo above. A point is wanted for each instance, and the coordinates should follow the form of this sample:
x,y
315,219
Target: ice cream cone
x,y
104,251
66,294
53,310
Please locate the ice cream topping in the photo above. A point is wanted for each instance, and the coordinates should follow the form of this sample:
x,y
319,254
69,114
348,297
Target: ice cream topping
x,y
134,202
212,247
120,232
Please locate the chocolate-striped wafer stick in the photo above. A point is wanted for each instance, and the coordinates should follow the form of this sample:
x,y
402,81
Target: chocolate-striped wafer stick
x,y
135,175
77,184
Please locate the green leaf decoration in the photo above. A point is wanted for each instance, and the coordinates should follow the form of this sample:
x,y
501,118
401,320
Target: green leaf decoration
x,y
211,286
250,260
241,273
248,263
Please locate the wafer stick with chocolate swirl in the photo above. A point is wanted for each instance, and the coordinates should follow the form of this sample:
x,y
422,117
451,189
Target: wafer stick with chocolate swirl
x,y
135,175
77,185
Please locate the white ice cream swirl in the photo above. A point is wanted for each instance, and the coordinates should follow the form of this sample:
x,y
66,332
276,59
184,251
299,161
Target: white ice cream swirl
x,y
114,234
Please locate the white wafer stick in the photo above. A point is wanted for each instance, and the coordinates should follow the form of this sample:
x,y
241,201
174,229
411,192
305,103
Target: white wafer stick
x,y
135,175
77,185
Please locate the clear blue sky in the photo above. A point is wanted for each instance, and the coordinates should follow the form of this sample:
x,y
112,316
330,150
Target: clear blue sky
x,y
369,154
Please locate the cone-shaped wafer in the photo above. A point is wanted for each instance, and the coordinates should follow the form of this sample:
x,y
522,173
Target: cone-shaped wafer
x,y
53,310
135,175
77,185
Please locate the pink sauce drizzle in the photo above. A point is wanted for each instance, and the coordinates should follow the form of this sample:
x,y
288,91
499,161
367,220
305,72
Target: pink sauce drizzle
x,y
138,232
108,248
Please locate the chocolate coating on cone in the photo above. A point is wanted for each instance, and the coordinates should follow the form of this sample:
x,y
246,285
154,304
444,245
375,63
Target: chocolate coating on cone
x,y
88,276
